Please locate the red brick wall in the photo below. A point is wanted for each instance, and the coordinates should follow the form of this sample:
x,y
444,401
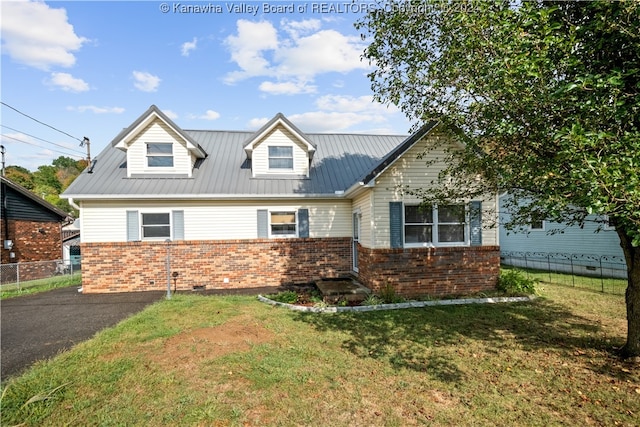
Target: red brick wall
x,y
32,241
430,271
141,266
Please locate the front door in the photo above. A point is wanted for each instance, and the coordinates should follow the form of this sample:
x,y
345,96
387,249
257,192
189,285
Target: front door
x,y
356,238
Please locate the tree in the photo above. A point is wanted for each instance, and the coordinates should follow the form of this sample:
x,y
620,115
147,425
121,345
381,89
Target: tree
x,y
21,176
545,96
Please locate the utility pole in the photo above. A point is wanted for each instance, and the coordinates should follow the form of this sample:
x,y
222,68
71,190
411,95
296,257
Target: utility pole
x,y
2,151
87,142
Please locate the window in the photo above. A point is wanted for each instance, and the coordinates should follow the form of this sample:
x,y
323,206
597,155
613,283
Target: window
x,y
536,225
451,223
156,226
418,224
438,225
280,157
283,224
159,155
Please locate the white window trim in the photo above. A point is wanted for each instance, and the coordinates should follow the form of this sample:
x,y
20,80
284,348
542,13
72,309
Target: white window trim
x,y
543,229
282,170
607,227
160,168
434,230
156,239
283,236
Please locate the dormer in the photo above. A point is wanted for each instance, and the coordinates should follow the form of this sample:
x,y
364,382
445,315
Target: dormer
x,y
155,145
279,150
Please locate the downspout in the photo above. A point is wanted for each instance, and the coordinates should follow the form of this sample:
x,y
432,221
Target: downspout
x,y
73,204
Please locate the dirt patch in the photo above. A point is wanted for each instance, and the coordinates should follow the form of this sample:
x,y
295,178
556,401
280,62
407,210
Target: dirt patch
x,y
193,347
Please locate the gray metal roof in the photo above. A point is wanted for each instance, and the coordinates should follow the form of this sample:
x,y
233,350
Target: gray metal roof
x,y
340,161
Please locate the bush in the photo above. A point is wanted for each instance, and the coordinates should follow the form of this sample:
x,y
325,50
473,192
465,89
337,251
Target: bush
x,y
287,297
389,296
515,282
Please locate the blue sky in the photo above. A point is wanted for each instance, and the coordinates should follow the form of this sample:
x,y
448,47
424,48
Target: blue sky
x,y
91,68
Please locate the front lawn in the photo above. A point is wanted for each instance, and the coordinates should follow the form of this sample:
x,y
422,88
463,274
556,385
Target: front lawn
x,y
197,360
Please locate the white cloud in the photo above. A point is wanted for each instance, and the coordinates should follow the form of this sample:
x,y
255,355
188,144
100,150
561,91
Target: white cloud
x,y
97,110
146,82
67,82
247,49
169,113
297,28
295,56
257,123
287,88
340,113
350,104
208,115
37,35
329,121
187,47
322,52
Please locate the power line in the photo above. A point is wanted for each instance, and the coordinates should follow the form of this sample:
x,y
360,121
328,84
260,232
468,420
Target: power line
x,y
36,145
43,140
42,123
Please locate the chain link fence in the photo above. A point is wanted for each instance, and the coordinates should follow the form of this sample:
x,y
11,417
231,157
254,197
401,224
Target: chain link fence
x,y
23,274
603,273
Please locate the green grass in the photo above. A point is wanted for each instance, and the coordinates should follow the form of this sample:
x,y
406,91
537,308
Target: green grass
x,y
40,285
197,360
596,284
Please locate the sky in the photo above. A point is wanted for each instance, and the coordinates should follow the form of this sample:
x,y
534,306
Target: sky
x,y
91,68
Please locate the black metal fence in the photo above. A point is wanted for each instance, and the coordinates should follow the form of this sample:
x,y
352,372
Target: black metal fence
x,y
604,273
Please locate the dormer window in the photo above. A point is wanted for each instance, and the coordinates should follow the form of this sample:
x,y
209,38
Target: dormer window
x,y
280,157
159,155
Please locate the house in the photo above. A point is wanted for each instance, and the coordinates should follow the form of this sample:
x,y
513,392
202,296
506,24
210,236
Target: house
x,y
592,249
228,209
30,228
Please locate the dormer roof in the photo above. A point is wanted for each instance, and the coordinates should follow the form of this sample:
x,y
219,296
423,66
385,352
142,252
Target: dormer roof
x,y
279,120
153,113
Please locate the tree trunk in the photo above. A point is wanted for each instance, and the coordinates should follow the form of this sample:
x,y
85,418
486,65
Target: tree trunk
x,y
632,295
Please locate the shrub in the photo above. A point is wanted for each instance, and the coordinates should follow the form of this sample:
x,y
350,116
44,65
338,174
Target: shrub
x,y
287,297
372,300
389,296
515,282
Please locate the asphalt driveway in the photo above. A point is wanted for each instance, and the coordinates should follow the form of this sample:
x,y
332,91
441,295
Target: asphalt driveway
x,y
40,326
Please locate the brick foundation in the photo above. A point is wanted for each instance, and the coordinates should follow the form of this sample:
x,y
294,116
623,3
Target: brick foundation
x,y
430,271
141,266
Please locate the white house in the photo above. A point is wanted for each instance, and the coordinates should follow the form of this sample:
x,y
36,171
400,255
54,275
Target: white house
x,y
233,209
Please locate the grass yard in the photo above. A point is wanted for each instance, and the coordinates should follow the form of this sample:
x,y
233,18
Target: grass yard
x,y
34,286
221,361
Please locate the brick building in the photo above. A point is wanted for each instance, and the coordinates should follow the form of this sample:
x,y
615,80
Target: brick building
x,y
30,226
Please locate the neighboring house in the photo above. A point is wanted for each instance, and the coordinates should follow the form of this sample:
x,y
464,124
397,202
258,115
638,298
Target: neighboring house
x,y
30,227
548,244
71,245
228,209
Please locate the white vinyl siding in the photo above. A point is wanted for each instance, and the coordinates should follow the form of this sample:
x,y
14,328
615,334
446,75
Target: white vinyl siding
x,y
411,171
363,204
158,133
106,221
279,137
